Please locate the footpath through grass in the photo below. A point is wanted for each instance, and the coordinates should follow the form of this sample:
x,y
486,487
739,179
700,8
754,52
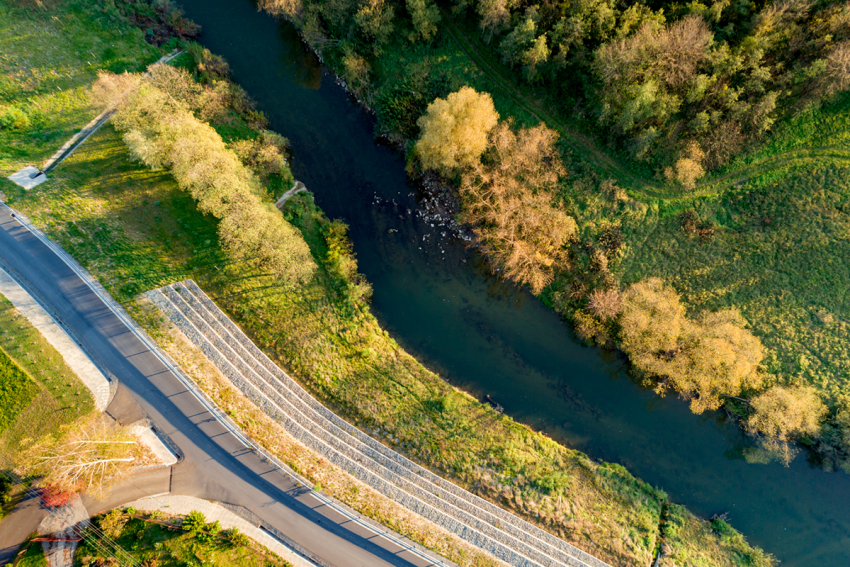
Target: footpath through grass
x,y
134,229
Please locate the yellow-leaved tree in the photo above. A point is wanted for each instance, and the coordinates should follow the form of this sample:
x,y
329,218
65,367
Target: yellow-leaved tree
x,y
455,130
162,123
704,359
509,199
784,413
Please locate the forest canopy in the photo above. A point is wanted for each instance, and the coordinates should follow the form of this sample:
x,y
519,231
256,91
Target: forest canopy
x,y
680,86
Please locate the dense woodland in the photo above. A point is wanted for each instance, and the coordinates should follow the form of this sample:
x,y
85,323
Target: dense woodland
x,y
681,87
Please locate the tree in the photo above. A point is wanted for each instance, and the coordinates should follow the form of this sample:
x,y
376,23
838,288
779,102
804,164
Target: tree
x,y
356,73
264,155
652,320
455,129
524,46
838,68
85,459
509,199
688,168
704,359
782,414
289,8
375,20
495,16
605,304
425,16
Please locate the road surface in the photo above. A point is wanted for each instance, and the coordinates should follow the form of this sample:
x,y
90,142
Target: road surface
x,y
217,466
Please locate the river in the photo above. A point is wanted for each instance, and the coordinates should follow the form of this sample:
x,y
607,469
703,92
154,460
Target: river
x,y
439,301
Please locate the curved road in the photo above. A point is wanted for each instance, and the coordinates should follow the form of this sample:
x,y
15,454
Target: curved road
x,y
216,465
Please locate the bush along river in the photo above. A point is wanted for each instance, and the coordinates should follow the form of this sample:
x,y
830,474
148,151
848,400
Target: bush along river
x,y
437,298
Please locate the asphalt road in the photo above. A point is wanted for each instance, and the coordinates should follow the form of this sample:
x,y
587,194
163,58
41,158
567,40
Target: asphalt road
x,y
216,465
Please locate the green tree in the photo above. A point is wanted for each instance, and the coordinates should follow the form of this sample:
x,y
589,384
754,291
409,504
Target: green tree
x,y
375,21
425,16
455,129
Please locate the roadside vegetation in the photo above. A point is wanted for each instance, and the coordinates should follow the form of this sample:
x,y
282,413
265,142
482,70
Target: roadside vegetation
x,y
40,394
703,144
49,395
136,228
154,539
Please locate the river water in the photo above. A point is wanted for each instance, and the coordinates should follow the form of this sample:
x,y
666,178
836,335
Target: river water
x,y
438,300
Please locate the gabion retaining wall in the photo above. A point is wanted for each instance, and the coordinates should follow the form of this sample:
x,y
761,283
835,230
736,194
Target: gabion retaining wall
x,y
421,491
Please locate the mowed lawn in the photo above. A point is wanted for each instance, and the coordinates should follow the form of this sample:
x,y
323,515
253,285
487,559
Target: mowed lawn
x,y
48,58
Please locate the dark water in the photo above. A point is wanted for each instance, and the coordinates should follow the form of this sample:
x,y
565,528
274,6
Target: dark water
x,y
438,300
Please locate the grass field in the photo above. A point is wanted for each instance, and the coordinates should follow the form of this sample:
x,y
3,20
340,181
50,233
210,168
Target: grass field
x,y
16,390
40,393
135,230
57,396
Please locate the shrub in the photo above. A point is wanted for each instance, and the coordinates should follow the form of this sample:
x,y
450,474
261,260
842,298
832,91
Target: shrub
x,y
14,118
113,523
194,522
237,538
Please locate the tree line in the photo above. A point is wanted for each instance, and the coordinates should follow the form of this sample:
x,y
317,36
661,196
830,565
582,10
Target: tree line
x,y
164,125
680,87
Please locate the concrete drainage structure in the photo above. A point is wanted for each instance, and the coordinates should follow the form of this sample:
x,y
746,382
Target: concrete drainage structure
x,y
447,505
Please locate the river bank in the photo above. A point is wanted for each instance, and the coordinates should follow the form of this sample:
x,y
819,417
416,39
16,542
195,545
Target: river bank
x,y
439,301
139,230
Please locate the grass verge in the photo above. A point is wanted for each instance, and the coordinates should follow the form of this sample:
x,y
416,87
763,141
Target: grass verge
x,y
57,397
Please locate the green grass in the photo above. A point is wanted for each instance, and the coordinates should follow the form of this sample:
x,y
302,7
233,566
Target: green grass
x,y
55,396
49,57
34,557
147,539
16,391
134,229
